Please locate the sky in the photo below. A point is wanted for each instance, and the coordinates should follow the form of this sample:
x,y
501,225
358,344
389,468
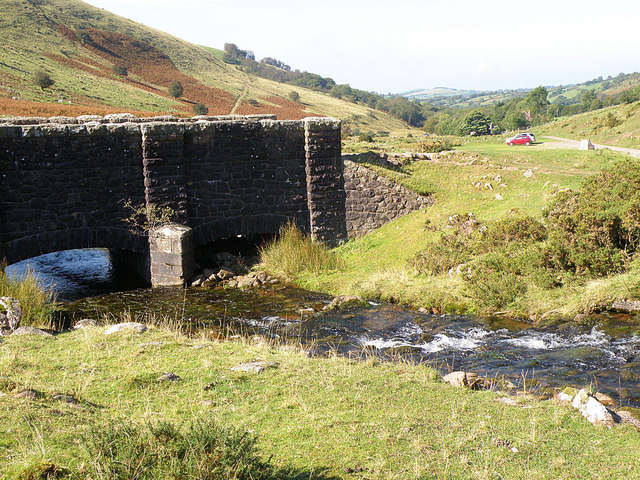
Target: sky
x,y
393,46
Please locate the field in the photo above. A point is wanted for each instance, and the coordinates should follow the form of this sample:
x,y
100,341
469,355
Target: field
x,y
314,418
492,181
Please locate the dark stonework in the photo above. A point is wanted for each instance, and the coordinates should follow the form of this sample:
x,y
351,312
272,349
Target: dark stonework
x,y
373,200
64,180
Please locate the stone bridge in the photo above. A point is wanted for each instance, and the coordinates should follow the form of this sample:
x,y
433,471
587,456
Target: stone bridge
x,y
65,181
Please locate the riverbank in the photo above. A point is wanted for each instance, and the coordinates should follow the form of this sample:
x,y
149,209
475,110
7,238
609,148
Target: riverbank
x,y
491,181
323,418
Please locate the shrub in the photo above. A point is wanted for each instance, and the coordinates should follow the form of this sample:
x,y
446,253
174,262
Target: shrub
x,y
517,229
175,89
365,137
42,79
495,282
294,96
203,450
200,109
120,70
596,231
435,144
253,102
292,253
451,250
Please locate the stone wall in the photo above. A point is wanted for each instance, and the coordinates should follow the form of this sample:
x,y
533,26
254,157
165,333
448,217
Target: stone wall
x,y
373,200
64,180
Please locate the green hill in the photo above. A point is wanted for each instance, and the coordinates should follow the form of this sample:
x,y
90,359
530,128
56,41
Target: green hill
x,y
82,47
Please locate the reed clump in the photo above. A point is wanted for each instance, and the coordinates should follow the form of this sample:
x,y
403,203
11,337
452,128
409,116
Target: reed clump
x,y
36,300
293,253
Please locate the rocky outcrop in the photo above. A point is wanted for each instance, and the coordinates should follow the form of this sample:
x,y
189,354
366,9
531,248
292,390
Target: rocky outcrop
x,y
10,321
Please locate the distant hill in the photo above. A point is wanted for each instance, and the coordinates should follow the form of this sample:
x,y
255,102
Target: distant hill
x,y
102,63
429,93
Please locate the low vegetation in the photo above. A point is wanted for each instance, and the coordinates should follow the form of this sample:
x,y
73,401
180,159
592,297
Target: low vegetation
x,y
36,301
99,410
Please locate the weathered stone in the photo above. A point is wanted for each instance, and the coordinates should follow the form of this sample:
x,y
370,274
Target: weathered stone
x,y
465,379
29,394
586,145
13,316
255,367
346,301
84,323
198,280
60,397
605,399
592,409
626,305
225,273
31,331
126,327
528,173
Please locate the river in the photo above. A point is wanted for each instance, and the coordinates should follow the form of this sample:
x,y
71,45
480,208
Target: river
x,y
602,352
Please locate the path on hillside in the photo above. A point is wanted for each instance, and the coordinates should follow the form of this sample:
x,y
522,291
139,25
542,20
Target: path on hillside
x,y
240,98
568,143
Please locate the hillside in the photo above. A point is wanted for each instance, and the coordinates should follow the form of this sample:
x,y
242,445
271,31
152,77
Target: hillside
x,y
82,47
618,125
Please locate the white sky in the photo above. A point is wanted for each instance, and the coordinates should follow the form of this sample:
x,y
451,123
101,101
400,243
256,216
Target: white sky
x,y
395,46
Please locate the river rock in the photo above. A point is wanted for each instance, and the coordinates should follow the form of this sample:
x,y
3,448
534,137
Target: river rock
x,y
628,306
84,323
226,273
605,399
31,331
592,409
126,327
465,379
345,301
13,316
198,280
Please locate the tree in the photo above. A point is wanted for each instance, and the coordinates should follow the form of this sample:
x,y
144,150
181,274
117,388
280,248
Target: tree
x,y
476,123
200,109
537,104
175,89
42,79
294,96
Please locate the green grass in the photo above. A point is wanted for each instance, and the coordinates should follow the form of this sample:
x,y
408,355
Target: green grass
x,y
36,301
378,265
323,418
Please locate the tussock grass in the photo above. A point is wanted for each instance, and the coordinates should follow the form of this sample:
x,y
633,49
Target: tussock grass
x,y
36,300
292,253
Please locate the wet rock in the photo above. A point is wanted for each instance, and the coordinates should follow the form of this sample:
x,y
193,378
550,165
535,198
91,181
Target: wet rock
x,y
168,377
465,379
346,301
628,306
84,323
31,331
592,409
126,327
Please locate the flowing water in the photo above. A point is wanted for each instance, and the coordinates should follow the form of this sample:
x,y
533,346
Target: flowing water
x,y
603,351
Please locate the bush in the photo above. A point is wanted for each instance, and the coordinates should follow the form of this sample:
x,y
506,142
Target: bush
x,y
202,450
120,70
175,89
514,230
439,257
365,137
200,109
495,282
294,96
42,79
435,145
596,231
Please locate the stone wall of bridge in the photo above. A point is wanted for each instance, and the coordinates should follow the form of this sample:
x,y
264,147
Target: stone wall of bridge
x,y
64,181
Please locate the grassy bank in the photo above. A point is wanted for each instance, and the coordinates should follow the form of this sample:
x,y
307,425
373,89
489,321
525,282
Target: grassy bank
x,y
492,181
323,418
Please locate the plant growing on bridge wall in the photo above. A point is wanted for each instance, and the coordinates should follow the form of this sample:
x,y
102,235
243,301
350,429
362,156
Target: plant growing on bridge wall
x,y
145,217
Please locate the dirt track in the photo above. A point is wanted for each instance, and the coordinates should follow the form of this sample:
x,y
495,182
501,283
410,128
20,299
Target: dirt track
x,y
559,142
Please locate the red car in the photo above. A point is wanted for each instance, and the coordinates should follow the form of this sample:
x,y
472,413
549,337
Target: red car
x,y
521,139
